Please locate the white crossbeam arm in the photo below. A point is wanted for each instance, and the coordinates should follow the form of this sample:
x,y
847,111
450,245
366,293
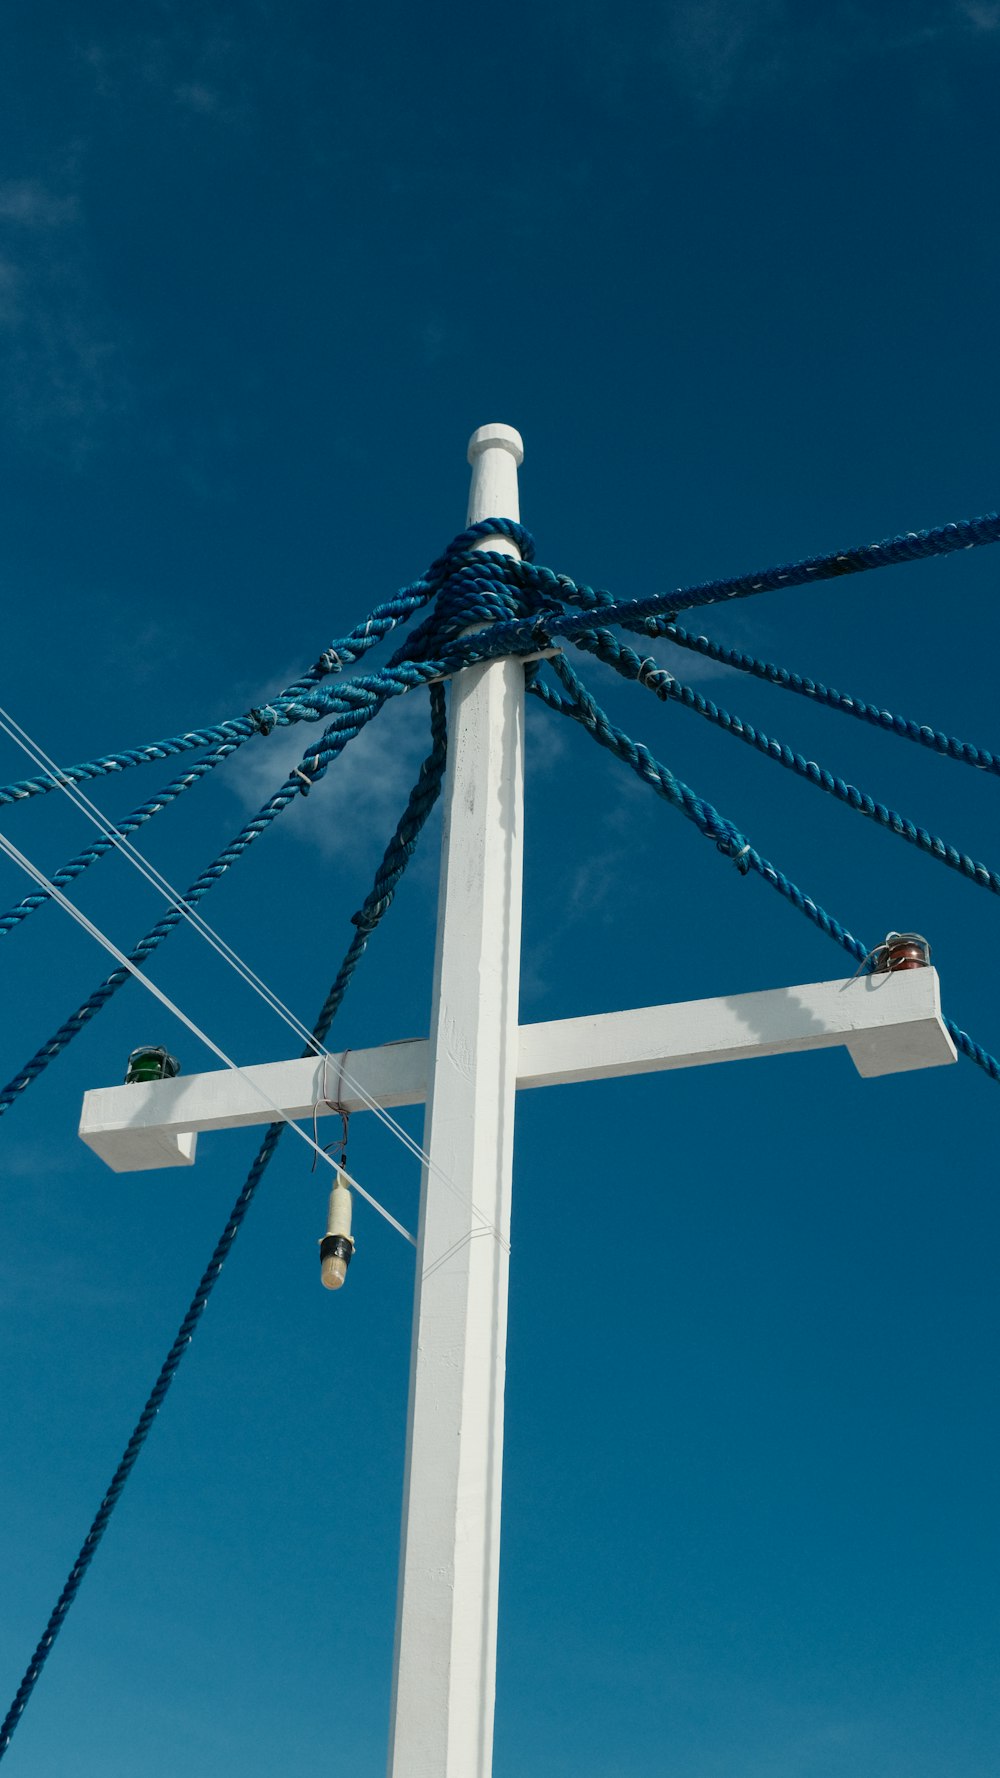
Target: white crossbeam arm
x,y
889,1024
154,1124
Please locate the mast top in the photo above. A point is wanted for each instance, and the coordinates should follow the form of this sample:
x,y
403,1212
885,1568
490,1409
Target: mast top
x,y
506,437
495,452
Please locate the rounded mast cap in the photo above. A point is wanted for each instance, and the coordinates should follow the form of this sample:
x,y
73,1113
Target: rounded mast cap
x,y
496,434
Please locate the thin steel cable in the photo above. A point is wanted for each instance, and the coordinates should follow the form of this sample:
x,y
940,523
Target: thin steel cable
x,y
75,913
172,895
394,861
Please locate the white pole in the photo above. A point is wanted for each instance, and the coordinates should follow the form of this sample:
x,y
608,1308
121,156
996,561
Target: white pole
x,y
445,1659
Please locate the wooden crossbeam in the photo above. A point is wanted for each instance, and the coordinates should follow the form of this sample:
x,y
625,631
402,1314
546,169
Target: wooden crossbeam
x,y
888,1023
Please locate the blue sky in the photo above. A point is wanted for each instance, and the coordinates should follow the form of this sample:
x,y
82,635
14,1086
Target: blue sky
x,y
732,271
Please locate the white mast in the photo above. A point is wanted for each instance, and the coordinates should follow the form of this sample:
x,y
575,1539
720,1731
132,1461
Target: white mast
x,y
468,1072
445,1661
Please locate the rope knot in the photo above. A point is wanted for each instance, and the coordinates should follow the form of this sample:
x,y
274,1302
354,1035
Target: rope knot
x,y
656,677
367,918
463,545
474,587
731,843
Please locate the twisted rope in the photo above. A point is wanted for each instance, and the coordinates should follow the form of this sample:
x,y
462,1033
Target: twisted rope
x,y
925,736
397,856
330,745
911,546
967,1046
524,605
475,586
664,686
295,703
128,824
583,709
350,706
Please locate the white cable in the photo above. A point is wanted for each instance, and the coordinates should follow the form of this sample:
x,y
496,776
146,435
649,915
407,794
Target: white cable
x,y
171,894
95,932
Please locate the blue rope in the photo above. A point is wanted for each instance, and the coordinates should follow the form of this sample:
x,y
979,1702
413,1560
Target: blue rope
x,y
475,585
237,729
397,856
921,732
299,781
634,613
583,709
398,853
663,685
516,600
524,606
975,1052
145,947
912,546
128,824
350,705
296,703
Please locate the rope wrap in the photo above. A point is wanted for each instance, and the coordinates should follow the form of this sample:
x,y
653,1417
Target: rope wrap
x,y
514,605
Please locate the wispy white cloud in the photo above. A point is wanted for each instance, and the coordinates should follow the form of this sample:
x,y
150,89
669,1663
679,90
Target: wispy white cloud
x,y
682,663
714,44
67,361
31,1159
61,370
200,67
710,54
35,205
982,15
547,740
594,884
194,95
357,804
687,666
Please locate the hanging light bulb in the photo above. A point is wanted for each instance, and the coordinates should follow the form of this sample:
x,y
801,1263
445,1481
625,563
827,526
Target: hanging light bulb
x,y
337,1246
150,1062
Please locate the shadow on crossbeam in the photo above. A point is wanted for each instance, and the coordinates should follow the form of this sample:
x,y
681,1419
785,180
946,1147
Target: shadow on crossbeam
x,y
888,1023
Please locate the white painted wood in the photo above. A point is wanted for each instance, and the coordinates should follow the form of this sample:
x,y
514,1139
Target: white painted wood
x,y
889,1024
120,1123
477,1057
496,453
444,1670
